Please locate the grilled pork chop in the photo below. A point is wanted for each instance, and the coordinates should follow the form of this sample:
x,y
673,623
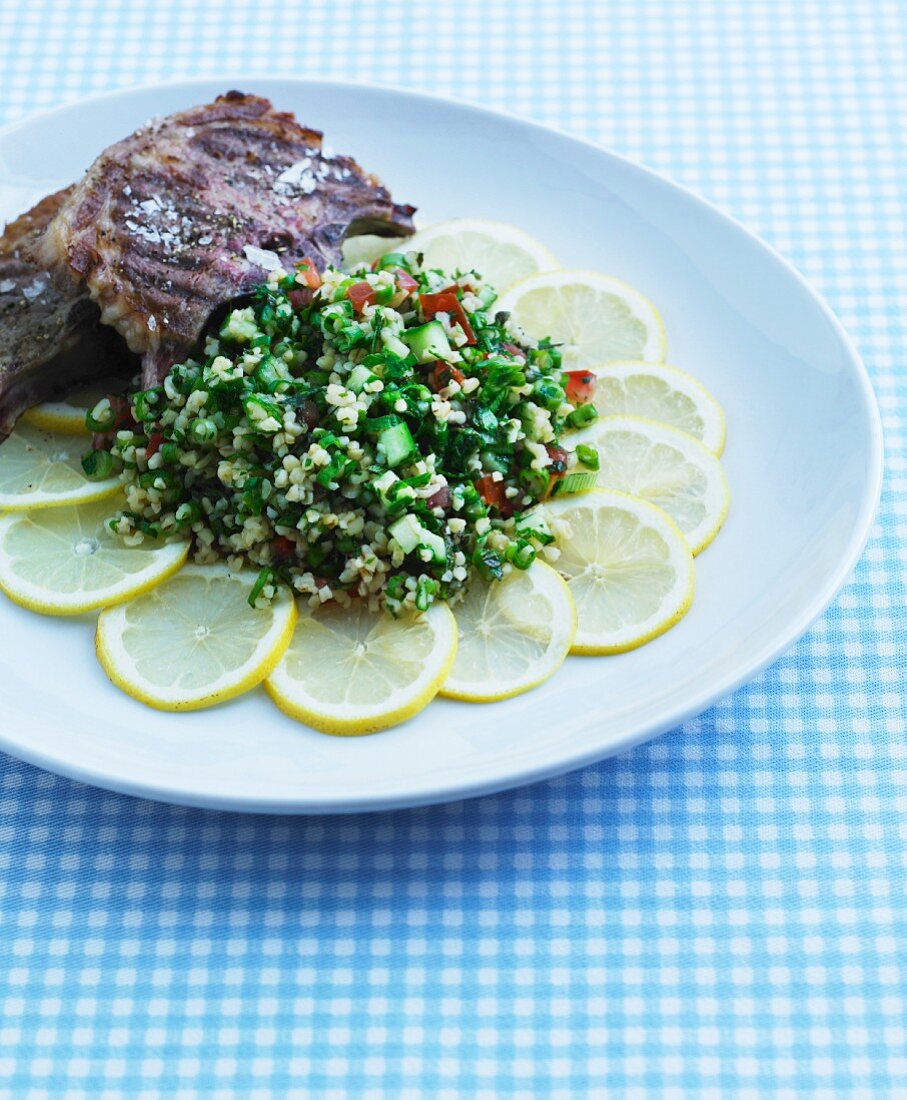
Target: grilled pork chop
x,y
50,335
179,219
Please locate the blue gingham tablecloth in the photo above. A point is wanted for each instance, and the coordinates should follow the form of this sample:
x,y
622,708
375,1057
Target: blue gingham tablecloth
x,y
720,913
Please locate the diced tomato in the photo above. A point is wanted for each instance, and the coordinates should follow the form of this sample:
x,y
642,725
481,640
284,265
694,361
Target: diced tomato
x,y
122,409
513,350
361,295
580,386
309,272
284,548
442,374
440,301
558,458
446,301
302,297
155,442
491,491
405,281
558,467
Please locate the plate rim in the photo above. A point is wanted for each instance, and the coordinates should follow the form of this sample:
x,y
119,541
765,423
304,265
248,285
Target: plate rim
x,y
434,791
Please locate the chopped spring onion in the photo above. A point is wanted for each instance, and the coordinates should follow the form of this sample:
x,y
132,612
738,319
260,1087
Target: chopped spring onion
x,y
588,456
582,416
143,404
102,417
97,465
203,430
264,578
521,553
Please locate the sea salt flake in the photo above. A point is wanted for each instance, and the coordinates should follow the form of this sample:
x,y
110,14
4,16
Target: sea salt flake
x,y
298,177
35,288
294,173
261,257
7,285
147,232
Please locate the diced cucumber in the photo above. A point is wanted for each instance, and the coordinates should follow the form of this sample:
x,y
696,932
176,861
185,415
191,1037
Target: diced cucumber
x,y
533,525
435,544
427,342
359,378
408,533
383,483
394,344
397,443
574,483
411,535
377,424
401,494
493,461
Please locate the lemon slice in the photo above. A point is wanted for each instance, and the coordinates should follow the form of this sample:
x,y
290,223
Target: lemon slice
x,y
351,670
513,635
665,467
627,565
194,641
500,253
69,416
63,561
662,393
41,470
596,318
368,247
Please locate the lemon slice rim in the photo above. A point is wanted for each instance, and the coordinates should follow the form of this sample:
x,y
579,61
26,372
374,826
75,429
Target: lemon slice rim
x,y
614,284
102,490
33,597
365,723
254,671
67,418
668,372
682,440
87,492
496,231
57,416
659,518
540,569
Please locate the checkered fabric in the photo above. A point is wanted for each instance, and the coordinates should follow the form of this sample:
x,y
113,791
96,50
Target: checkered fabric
x,y
718,914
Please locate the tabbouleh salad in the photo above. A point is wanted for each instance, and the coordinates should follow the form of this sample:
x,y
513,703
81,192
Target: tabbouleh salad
x,y
381,434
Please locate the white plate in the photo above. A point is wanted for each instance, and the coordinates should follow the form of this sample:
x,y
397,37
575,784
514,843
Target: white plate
x,y
803,459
